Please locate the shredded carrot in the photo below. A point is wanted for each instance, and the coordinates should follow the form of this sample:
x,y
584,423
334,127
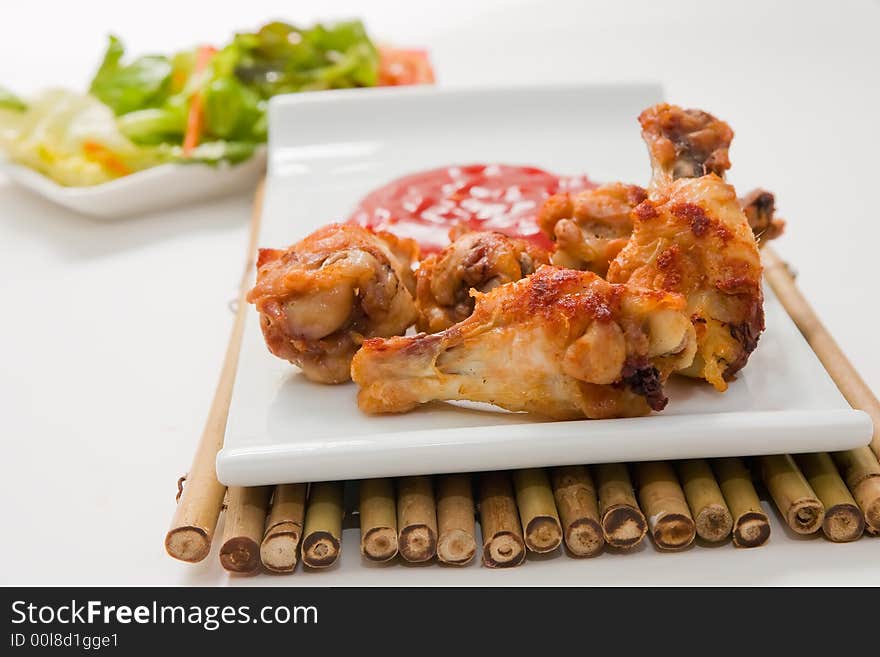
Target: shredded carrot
x,y
193,124
106,158
196,116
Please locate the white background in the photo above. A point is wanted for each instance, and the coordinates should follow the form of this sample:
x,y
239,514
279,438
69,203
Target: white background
x,y
113,334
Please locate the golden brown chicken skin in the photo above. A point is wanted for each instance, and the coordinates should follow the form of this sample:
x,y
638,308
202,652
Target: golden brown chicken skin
x,y
692,238
684,143
590,227
759,206
321,297
481,261
560,343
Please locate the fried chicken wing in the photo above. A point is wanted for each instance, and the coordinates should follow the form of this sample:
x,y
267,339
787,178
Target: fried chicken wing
x,y
474,260
319,298
691,237
590,227
560,343
759,206
684,143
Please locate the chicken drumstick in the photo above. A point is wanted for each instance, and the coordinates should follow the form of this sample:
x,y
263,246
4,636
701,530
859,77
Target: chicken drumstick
x,y
479,260
691,237
322,296
560,343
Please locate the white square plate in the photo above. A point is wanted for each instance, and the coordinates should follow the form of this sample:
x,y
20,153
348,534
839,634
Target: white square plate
x,y
282,428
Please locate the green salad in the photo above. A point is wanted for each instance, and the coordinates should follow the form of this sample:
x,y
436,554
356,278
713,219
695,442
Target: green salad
x,y
204,105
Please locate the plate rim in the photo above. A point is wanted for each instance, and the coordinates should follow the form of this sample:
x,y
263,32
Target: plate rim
x,y
235,466
365,94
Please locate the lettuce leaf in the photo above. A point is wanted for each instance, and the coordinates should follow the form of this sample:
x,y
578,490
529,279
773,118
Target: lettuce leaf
x,y
234,111
74,139
137,112
152,95
282,58
154,125
145,82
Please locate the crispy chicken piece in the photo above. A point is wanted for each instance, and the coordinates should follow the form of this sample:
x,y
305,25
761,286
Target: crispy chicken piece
x,y
691,237
759,206
474,260
590,227
560,343
319,298
684,143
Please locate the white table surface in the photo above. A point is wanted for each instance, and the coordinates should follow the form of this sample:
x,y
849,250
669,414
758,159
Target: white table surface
x,y
113,334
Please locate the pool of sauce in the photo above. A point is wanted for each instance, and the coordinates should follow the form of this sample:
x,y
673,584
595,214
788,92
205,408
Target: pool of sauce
x,y
426,205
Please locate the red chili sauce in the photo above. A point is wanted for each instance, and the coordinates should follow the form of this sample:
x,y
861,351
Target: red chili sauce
x,y
426,205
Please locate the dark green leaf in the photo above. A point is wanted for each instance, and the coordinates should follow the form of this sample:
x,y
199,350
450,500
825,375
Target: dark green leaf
x,y
282,58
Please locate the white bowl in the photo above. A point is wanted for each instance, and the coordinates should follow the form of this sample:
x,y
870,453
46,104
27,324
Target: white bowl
x,y
159,188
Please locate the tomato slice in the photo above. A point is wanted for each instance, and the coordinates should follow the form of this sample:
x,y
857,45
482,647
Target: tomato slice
x,y
399,66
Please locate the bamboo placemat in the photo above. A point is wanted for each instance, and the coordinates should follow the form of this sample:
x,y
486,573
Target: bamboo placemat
x,y
535,509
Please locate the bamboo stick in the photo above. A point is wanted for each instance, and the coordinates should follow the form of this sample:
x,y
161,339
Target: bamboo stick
x,y
195,518
575,496
537,510
456,543
245,520
861,472
284,527
660,495
706,502
843,518
322,534
795,499
851,385
751,527
416,519
623,523
378,518
503,545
